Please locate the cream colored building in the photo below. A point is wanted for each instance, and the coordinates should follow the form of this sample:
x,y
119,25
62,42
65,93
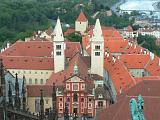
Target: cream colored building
x,y
81,24
34,77
33,97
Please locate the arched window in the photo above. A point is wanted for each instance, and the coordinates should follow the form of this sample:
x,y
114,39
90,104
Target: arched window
x,y
30,81
100,104
41,81
75,97
68,99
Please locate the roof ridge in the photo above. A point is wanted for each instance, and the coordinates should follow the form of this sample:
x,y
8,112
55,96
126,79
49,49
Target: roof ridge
x,y
149,61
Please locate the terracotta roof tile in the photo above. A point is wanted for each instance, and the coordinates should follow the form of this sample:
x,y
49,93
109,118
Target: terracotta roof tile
x,y
34,90
119,74
148,90
59,77
69,31
81,17
135,61
154,66
34,63
35,54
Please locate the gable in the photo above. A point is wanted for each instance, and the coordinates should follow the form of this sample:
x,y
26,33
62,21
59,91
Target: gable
x,y
75,79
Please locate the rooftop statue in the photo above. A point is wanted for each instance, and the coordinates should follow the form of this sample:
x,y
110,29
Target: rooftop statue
x,y
137,108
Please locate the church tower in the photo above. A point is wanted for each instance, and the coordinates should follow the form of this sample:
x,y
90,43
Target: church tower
x,y
97,50
81,24
59,48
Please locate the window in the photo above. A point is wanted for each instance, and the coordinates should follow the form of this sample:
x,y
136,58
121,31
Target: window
x,y
90,99
41,72
60,104
75,97
58,47
30,81
24,72
97,47
41,81
67,87
68,99
60,110
82,111
82,86
82,99
58,53
46,72
97,53
35,72
60,99
30,72
100,104
75,87
36,81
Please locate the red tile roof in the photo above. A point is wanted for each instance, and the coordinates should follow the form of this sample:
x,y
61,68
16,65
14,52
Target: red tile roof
x,y
154,66
69,31
34,63
81,17
135,61
34,90
109,33
35,54
31,48
115,46
120,76
59,77
139,79
148,90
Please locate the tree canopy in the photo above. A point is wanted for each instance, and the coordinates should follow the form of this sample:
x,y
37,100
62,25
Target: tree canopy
x,y
20,18
148,42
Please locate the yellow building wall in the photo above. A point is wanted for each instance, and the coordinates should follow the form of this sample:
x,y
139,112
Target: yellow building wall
x,y
31,103
36,76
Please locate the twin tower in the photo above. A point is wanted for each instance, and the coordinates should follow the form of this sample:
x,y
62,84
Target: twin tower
x,y
97,49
